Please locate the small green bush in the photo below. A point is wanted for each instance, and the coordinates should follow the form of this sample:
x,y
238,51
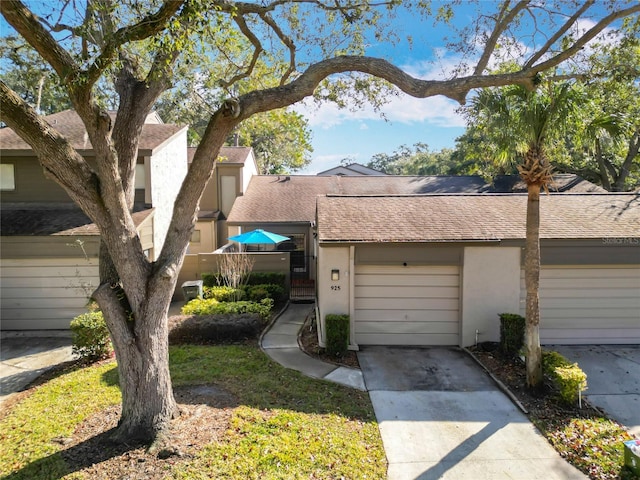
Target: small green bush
x,y
256,293
511,333
210,279
90,337
255,278
261,278
224,294
212,307
567,377
337,329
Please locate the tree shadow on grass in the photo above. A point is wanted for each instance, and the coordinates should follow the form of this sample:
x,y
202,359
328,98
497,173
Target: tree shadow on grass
x,y
225,378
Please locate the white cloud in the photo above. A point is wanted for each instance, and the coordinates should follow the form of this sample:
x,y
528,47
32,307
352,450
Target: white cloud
x,y
438,111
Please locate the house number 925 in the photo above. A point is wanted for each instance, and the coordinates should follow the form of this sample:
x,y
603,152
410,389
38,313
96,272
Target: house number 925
x,y
335,288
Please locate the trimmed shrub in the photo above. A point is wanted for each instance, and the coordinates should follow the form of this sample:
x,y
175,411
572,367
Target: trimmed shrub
x,y
219,328
256,293
511,333
255,278
213,307
224,294
262,278
91,339
211,279
337,327
567,377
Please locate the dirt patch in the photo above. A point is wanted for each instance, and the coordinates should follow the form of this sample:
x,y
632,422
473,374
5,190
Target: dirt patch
x,y
308,340
205,412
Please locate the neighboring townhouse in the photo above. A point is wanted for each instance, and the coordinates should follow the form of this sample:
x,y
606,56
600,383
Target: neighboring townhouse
x,y
590,252
49,254
234,168
351,170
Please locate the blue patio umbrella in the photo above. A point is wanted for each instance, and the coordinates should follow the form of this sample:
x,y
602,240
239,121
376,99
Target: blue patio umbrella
x,y
259,237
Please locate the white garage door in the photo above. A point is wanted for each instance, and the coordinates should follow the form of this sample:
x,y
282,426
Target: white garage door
x,y
45,294
588,305
397,305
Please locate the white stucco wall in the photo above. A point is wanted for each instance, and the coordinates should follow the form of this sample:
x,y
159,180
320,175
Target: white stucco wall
x,y
490,286
333,296
248,170
167,168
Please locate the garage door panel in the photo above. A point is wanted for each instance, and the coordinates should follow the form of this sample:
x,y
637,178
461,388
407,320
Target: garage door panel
x,y
408,339
593,302
408,270
407,327
402,291
450,316
579,273
45,293
406,304
414,280
608,283
587,293
596,304
567,336
396,305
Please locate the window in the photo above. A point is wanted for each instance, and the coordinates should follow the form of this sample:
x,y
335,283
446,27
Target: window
x,y
195,236
7,178
140,176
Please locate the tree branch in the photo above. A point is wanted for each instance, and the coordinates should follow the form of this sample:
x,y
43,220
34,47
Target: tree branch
x,y
287,42
27,25
145,28
56,155
257,50
502,22
556,36
584,39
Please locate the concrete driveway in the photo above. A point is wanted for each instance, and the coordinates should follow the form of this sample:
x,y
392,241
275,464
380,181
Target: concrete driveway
x,y
24,357
441,416
613,379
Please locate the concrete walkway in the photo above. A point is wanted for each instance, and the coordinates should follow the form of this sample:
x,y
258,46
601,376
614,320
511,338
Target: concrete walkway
x,y
280,342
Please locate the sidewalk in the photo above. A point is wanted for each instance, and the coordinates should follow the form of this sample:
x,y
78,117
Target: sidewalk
x,y
280,342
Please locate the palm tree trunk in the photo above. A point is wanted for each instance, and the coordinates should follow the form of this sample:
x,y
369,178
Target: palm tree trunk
x,y
532,282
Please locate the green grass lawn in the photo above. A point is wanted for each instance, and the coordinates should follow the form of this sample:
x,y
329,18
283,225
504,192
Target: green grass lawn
x,y
285,425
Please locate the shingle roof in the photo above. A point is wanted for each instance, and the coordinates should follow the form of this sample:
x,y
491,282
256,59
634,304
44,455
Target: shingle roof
x,y
53,219
68,123
292,198
228,155
351,169
271,198
562,182
431,218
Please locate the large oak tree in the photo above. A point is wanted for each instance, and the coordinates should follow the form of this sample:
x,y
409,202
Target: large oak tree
x,y
270,55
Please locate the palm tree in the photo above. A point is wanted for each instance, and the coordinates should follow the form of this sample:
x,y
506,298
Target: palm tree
x,y
527,121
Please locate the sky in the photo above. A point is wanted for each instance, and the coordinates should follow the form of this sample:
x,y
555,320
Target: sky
x,y
340,134
358,135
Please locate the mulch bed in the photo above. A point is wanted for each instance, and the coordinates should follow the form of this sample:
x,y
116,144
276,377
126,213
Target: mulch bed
x,y
542,404
205,413
308,340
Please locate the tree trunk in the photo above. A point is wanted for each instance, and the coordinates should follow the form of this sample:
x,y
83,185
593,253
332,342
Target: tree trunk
x,y
142,352
532,282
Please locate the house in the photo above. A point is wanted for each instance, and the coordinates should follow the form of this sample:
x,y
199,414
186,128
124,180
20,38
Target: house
x,y
233,170
431,261
351,170
447,265
49,247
